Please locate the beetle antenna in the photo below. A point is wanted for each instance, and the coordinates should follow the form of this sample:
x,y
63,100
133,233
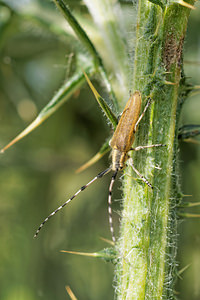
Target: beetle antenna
x,y
110,204
100,175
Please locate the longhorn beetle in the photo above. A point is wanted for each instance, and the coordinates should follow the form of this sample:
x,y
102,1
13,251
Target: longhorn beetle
x,y
121,144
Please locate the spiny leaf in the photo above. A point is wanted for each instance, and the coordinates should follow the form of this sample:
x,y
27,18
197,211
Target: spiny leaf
x,y
79,31
192,141
70,293
189,204
183,270
84,39
59,99
108,254
184,195
169,82
110,242
185,4
188,215
102,103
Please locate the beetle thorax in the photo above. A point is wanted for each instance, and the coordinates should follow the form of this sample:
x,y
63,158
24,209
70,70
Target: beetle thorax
x,y
118,159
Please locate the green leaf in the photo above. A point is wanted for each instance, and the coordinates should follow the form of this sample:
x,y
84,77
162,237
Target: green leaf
x,y
102,103
107,254
63,94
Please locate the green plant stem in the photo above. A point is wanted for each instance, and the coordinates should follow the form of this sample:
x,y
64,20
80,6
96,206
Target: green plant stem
x,y
147,243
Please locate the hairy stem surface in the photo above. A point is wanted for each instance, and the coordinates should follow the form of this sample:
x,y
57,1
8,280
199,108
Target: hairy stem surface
x,y
147,245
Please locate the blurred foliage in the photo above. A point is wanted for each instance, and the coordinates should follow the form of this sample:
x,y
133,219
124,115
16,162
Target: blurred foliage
x,y
189,236
37,174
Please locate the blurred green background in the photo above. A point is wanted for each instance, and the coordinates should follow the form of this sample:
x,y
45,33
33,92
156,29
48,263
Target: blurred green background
x,y
38,173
